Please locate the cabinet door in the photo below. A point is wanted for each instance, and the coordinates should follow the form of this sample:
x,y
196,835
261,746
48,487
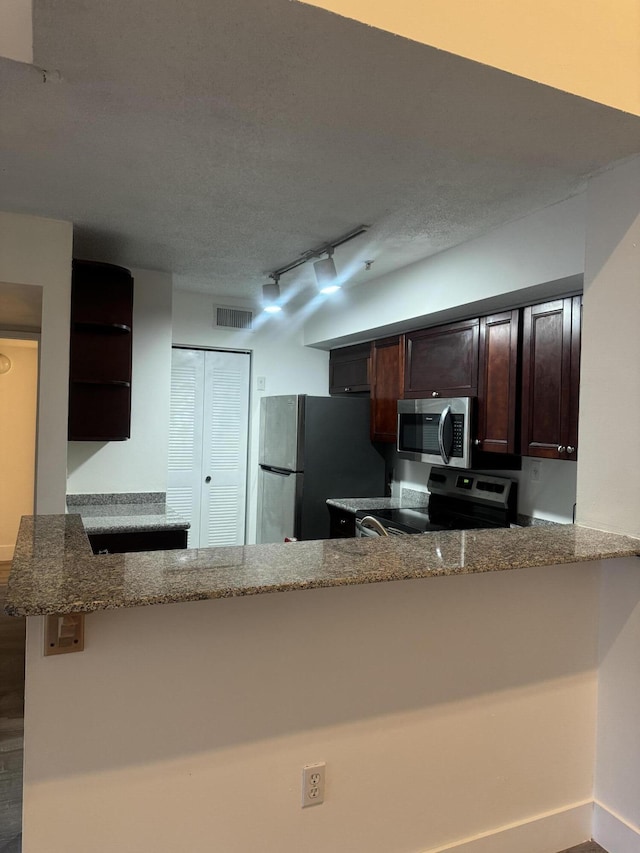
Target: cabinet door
x,y
342,524
550,378
498,383
571,426
443,361
387,378
349,369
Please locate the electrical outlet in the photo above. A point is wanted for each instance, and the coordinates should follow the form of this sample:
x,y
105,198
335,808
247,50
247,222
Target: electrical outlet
x,y
534,470
313,784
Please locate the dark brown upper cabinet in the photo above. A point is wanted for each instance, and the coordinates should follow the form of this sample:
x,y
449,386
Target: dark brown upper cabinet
x,y
442,361
387,378
551,378
498,383
100,352
349,369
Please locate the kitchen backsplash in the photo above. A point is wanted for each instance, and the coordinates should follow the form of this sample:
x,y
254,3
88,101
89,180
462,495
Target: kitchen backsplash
x,y
550,497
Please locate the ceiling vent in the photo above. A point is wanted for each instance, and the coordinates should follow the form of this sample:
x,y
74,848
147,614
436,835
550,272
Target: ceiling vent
x,y
225,317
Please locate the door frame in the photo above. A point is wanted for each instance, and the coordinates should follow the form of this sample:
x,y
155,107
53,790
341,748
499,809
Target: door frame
x,y
17,335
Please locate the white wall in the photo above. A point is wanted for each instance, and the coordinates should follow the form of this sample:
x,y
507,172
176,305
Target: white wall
x,y
37,253
139,464
507,266
444,708
617,782
277,354
18,410
608,485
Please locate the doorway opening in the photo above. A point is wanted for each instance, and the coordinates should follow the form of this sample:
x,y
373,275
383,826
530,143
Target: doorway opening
x,y
208,444
18,416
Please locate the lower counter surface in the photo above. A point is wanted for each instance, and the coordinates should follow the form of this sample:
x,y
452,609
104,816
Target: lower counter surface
x,y
54,571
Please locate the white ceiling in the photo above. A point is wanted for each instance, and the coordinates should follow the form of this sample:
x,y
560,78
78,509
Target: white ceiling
x,y
219,140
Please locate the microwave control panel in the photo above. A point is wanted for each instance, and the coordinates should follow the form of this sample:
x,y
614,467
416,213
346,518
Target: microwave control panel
x,y
457,448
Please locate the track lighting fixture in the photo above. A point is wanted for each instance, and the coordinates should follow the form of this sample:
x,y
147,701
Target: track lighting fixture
x,y
325,269
271,295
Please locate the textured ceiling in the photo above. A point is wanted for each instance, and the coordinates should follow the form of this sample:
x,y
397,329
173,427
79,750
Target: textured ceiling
x,y
219,140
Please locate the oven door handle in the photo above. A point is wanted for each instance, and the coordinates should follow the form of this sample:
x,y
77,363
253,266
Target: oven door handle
x,y
443,419
371,523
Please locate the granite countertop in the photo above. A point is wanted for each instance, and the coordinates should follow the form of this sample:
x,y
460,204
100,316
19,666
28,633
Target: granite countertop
x,y
409,499
125,513
54,570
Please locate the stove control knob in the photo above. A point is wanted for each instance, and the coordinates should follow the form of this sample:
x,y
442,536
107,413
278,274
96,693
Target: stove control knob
x,y
561,448
570,449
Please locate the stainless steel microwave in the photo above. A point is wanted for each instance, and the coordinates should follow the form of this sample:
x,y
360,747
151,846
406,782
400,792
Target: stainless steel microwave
x,y
436,430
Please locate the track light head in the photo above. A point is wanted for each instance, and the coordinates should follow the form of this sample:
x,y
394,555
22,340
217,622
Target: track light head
x,y
326,275
271,296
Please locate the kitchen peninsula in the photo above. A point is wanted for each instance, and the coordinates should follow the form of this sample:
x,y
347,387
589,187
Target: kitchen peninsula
x,y
481,684
54,571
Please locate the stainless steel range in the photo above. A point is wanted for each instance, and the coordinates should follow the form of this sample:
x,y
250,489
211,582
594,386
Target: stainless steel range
x,y
459,500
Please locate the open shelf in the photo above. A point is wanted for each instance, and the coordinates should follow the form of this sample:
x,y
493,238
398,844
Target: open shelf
x,y
100,352
101,328
121,383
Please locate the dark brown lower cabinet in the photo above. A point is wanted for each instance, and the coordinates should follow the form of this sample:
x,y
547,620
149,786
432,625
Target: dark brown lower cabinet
x,y
387,379
342,523
550,378
498,383
137,540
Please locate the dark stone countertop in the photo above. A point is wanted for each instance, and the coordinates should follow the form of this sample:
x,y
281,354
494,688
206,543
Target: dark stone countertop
x,y
125,513
54,571
409,499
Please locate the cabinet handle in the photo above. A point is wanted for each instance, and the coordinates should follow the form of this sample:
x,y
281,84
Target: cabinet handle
x,y
435,393
477,442
561,448
570,449
207,479
347,389
343,521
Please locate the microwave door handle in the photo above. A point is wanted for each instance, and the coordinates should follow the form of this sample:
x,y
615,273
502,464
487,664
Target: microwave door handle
x,y
443,419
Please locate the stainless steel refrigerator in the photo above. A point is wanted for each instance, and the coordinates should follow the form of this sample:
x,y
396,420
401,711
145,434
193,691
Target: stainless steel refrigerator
x,y
311,449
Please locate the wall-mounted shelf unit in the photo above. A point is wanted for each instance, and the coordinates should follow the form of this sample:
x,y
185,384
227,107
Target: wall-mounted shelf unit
x,y
100,352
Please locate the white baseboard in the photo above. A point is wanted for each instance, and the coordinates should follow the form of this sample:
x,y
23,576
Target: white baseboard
x,y
6,553
546,833
613,832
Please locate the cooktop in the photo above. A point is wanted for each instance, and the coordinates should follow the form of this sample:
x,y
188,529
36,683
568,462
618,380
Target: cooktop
x,y
459,500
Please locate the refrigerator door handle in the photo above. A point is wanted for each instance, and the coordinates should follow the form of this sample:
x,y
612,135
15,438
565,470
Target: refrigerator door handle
x,y
284,472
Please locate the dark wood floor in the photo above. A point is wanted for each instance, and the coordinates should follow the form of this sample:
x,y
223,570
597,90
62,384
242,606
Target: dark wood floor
x,y
11,723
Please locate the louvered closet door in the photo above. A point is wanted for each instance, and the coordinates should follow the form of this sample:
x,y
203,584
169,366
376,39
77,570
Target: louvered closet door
x,y
208,444
225,436
184,478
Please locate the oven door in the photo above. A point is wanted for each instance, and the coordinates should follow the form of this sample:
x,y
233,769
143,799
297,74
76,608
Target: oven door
x,y
436,431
